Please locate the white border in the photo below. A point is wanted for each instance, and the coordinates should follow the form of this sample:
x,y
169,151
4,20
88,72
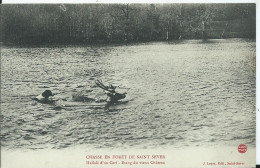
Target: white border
x,y
257,87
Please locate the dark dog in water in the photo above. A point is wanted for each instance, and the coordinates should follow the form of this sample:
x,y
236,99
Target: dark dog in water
x,y
81,98
44,97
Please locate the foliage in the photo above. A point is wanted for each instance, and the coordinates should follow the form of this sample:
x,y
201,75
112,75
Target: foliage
x,y
106,23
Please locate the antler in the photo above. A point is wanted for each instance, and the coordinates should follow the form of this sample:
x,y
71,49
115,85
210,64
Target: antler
x,y
109,88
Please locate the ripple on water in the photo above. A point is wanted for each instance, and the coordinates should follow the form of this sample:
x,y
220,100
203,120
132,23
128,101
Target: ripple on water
x,y
202,95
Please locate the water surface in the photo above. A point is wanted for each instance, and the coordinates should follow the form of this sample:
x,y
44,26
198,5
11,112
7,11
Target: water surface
x,y
191,93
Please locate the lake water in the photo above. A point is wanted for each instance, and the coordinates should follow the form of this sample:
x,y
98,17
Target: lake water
x,y
190,93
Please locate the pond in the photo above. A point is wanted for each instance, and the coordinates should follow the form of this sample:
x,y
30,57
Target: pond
x,y
179,94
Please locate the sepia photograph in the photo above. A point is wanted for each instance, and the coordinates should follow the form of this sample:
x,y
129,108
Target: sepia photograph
x,y
160,85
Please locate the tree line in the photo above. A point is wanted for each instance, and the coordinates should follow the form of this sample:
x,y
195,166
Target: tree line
x,y
112,23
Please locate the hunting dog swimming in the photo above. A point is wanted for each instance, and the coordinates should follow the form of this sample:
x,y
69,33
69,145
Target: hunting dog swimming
x,y
81,98
44,97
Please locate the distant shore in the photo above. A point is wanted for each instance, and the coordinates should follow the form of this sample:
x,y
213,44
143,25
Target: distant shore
x,y
2,44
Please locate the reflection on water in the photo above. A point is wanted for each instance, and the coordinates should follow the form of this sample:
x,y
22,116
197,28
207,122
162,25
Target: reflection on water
x,y
181,94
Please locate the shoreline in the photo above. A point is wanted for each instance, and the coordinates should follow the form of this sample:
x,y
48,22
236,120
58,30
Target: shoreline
x,y
60,45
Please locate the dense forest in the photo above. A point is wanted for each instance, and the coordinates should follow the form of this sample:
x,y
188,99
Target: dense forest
x,y
113,23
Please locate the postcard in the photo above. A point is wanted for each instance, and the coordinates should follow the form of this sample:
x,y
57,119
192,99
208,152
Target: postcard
x,y
141,85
